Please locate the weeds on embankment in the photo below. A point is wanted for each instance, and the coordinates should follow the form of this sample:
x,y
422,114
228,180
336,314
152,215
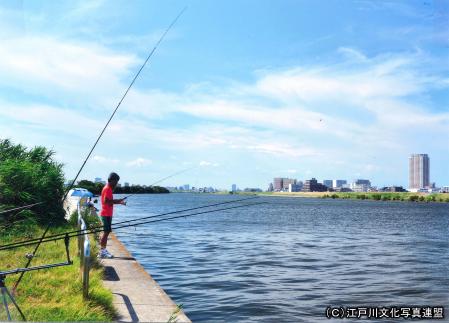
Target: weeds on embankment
x,y
53,294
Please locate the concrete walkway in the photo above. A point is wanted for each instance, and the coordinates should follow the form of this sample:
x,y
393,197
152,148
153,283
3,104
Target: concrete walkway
x,y
137,296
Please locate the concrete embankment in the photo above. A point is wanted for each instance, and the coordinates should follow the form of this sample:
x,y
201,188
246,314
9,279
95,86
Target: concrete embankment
x,y
137,296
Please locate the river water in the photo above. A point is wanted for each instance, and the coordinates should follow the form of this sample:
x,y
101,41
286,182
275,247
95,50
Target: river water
x,y
289,259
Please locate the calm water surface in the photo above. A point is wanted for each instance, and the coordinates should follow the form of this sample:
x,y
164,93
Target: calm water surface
x,y
287,260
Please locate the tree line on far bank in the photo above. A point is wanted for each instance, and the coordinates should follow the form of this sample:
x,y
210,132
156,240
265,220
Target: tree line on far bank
x,y
393,196
96,188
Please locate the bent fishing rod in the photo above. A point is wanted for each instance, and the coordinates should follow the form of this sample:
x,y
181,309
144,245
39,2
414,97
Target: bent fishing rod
x,y
36,240
116,226
104,129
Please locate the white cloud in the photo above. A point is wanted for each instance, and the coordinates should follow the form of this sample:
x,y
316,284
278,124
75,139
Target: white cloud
x,y
206,163
139,162
50,118
282,150
105,160
59,68
351,53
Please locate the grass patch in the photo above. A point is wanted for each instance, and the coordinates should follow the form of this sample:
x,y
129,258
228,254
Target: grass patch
x,y
54,294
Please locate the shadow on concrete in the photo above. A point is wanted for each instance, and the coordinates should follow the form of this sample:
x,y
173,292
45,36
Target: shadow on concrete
x,y
123,258
130,307
110,274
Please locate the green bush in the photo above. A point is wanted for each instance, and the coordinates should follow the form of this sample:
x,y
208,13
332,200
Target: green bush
x,y
413,198
334,196
29,176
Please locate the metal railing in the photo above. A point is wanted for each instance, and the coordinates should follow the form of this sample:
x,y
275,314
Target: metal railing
x,y
84,252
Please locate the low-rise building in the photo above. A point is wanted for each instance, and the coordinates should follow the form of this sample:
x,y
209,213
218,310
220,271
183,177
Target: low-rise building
x,y
444,189
392,189
337,183
361,185
312,185
328,183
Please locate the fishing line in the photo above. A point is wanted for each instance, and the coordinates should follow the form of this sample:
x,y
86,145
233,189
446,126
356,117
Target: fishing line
x,y
116,227
163,179
33,241
101,134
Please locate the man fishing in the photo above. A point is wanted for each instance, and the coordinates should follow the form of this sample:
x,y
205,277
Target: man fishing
x,y
107,210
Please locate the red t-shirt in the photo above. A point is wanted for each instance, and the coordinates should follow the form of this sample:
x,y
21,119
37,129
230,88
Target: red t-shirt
x,y
106,209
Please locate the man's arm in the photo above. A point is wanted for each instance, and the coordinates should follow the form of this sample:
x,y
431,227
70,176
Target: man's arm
x,y
112,201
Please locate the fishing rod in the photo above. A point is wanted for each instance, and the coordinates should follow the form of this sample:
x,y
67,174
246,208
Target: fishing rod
x,y
163,179
104,129
116,227
4,274
20,208
9,223
33,241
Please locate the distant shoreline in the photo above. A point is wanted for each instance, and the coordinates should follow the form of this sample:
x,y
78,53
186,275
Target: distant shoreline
x,y
375,196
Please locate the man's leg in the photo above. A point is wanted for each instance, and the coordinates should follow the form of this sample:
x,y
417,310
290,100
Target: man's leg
x,y
107,220
104,240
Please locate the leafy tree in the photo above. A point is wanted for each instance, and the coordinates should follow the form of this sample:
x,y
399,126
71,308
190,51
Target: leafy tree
x,y
30,176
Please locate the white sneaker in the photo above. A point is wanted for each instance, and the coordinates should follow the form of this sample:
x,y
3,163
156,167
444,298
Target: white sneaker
x,y
109,255
104,254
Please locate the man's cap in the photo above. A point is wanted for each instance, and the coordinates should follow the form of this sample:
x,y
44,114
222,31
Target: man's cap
x,y
113,176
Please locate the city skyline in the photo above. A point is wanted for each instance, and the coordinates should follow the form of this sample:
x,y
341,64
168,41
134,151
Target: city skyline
x,y
323,89
419,178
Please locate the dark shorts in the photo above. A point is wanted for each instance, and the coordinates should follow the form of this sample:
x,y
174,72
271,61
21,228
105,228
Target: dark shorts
x,y
107,221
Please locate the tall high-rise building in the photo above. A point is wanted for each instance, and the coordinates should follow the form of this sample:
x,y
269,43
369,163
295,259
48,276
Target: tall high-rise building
x,y
419,170
234,188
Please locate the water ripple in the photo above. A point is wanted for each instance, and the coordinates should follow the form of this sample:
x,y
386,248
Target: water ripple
x,y
287,261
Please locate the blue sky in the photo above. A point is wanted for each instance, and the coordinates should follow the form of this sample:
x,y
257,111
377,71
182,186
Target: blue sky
x,y
245,90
